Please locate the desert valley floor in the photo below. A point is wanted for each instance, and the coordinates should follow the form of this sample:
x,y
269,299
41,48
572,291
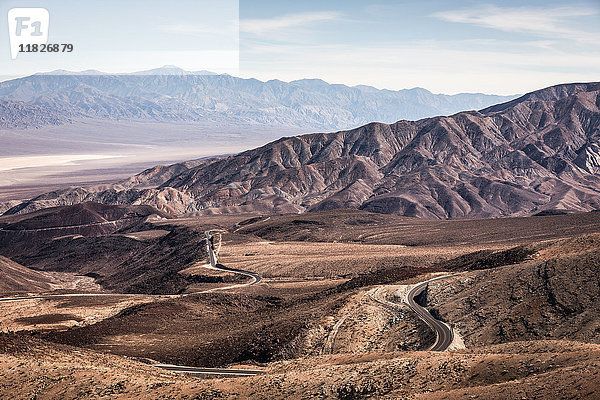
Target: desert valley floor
x,y
329,318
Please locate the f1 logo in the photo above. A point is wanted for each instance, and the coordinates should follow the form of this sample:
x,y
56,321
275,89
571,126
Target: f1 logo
x,y
27,26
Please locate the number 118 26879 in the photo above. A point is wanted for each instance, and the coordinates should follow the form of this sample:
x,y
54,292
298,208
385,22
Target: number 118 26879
x,y
46,48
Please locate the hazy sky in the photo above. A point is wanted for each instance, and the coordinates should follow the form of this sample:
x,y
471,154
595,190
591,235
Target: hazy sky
x,y
498,47
131,35
501,47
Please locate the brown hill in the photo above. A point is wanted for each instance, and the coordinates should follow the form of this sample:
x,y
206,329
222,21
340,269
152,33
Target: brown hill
x,y
88,213
85,219
554,295
538,152
16,278
371,228
523,370
118,263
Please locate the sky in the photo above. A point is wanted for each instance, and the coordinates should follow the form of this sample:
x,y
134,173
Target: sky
x,y
131,35
500,47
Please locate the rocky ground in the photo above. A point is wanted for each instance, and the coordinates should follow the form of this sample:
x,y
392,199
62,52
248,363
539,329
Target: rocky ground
x,y
552,294
60,314
328,320
519,370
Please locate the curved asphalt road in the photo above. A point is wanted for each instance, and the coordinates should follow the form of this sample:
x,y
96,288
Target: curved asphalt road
x,y
256,278
443,332
209,371
212,257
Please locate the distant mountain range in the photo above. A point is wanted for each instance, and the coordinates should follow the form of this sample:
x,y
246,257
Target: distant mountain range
x,y
172,94
536,153
18,114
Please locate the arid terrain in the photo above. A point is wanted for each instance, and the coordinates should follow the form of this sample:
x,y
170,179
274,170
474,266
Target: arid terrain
x,y
62,128
335,200
346,265
329,319
536,154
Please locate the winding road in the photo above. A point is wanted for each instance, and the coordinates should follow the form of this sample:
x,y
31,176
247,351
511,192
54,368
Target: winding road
x,y
256,278
210,371
443,333
212,257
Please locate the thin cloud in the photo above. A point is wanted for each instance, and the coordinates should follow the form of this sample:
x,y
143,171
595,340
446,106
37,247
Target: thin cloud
x,y
440,66
548,22
263,26
186,29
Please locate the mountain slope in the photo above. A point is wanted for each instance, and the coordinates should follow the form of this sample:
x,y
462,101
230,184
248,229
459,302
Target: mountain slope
x,y
19,279
553,295
17,114
86,214
536,153
172,94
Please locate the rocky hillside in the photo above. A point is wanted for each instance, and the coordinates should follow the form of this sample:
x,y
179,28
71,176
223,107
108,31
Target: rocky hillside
x,y
119,263
18,114
171,94
85,214
22,232
526,370
538,152
19,279
554,295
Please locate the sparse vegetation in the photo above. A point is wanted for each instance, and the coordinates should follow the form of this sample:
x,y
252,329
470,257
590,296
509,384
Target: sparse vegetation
x,y
317,275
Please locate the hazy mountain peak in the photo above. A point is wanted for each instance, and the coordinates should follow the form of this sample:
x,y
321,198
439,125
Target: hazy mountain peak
x,y
310,82
172,70
164,70
66,72
366,88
